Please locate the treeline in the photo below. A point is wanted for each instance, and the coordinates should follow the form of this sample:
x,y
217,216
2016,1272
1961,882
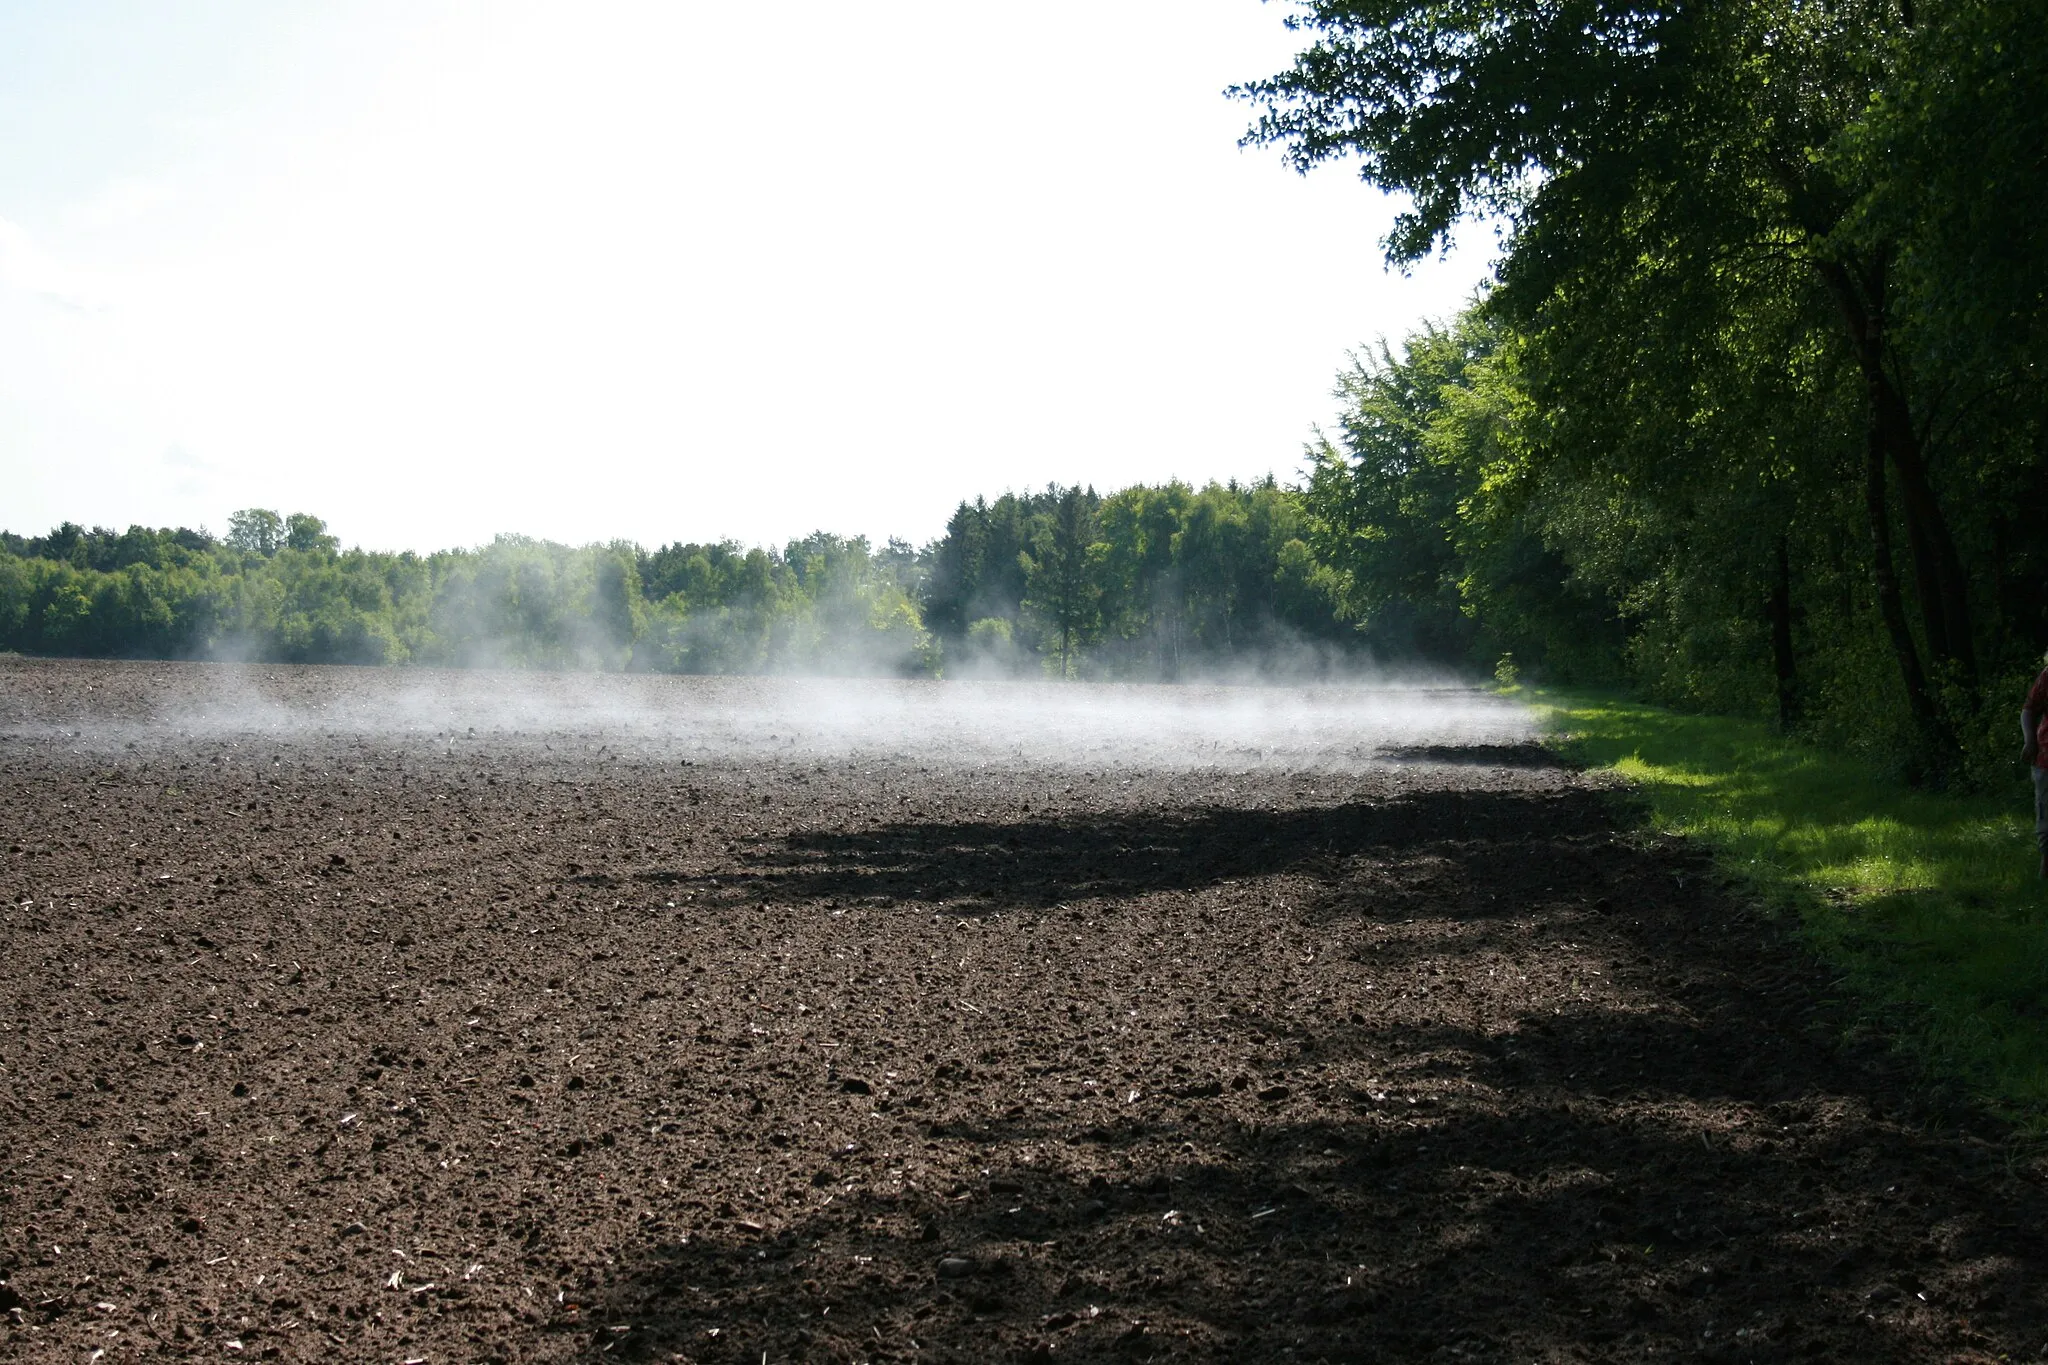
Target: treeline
x,y
1754,416
1153,581
1148,582
282,589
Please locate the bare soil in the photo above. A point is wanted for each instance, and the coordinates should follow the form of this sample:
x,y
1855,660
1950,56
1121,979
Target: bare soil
x,y
406,1044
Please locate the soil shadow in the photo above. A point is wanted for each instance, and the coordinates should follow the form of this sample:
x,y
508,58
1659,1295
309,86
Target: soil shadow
x,y
1530,755
1691,1164
1502,847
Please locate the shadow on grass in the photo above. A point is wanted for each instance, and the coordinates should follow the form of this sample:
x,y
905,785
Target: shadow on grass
x,y
1825,819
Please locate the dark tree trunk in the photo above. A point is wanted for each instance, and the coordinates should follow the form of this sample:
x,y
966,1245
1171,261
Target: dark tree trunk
x,y
1783,664
1938,580
1889,605
1937,569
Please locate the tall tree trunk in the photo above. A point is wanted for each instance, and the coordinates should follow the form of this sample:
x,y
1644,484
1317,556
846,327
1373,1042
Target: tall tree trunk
x,y
1938,569
1938,579
1889,605
1782,661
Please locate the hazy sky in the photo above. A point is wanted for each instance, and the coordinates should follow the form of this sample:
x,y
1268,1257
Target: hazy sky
x,y
675,270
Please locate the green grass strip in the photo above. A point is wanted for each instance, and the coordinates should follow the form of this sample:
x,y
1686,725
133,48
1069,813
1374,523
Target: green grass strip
x,y
1930,903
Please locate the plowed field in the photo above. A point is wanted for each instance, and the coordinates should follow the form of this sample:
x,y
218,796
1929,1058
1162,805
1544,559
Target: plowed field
x,y
381,1016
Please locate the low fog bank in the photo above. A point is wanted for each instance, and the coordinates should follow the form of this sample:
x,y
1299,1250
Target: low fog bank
x,y
104,709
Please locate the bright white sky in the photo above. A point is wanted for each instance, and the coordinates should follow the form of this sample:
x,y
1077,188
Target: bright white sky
x,y
673,270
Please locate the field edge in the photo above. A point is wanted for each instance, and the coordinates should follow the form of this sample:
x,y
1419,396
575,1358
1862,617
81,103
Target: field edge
x,y
1925,903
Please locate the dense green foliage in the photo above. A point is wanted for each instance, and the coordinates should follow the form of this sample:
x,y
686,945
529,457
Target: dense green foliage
x,y
281,589
1150,582
1925,901
1762,371
1147,582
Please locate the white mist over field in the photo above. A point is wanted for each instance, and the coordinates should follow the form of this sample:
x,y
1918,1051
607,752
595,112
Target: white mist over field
x,y
1325,727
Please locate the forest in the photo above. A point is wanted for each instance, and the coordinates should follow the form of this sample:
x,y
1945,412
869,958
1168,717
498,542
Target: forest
x,y
1752,416
1750,419
1149,582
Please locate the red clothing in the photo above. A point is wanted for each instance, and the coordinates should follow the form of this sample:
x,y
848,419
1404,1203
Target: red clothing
x,y
2037,702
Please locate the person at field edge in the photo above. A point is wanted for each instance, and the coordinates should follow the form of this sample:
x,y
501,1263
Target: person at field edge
x,y
2034,725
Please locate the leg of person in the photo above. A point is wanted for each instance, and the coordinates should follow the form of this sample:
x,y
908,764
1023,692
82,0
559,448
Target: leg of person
x,y
2041,817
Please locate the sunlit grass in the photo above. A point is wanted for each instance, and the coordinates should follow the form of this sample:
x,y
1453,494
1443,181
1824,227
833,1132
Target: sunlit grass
x,y
1929,902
